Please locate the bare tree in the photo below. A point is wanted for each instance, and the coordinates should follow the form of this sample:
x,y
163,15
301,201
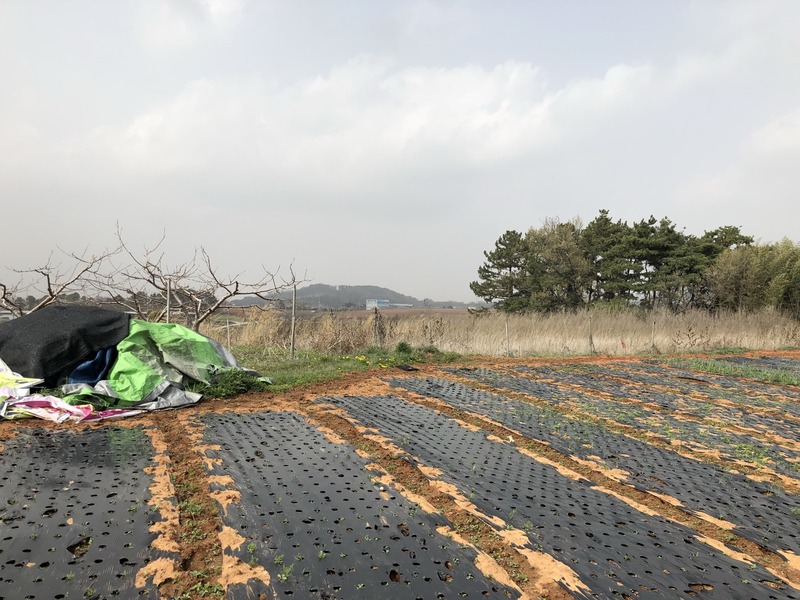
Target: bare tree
x,y
52,281
143,284
147,286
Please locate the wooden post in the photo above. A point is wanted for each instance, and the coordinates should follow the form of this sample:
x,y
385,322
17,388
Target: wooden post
x,y
653,337
591,340
508,341
228,327
294,317
169,296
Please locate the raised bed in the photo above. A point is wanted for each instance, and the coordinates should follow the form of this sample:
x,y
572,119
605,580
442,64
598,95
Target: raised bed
x,y
684,382
737,415
312,516
770,391
690,404
75,523
614,549
733,445
762,514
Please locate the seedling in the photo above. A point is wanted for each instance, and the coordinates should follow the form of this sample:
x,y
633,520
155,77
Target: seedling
x,y
285,573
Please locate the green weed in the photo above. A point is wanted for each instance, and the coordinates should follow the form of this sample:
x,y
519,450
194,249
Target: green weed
x,y
311,367
285,573
208,590
228,383
191,509
722,367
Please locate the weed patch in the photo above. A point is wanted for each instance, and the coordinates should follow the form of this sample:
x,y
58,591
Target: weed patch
x,y
310,367
229,383
722,367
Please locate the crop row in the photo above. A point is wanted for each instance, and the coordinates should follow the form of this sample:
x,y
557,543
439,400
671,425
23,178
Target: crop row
x,y
613,548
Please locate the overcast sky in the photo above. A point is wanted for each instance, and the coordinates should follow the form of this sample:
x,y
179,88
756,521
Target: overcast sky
x,y
388,142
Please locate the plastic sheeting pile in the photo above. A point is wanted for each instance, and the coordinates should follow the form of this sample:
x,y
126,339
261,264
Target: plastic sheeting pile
x,y
104,363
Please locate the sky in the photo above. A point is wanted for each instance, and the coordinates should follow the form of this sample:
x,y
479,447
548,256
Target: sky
x,y
386,142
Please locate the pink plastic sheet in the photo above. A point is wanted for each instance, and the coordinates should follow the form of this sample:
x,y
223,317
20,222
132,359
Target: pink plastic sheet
x,y
56,410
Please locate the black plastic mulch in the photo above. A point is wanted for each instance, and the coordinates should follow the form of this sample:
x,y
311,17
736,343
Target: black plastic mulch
x,y
681,382
75,523
650,375
578,375
314,519
614,549
769,390
762,513
736,415
732,445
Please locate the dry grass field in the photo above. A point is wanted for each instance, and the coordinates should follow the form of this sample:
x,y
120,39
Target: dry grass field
x,y
495,334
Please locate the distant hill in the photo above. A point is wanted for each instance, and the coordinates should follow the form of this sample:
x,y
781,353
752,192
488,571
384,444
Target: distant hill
x,y
339,297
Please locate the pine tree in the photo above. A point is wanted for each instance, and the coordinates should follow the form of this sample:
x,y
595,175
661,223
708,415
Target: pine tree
x,y
504,276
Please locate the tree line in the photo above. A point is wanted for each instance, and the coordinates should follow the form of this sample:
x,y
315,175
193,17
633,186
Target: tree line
x,y
650,264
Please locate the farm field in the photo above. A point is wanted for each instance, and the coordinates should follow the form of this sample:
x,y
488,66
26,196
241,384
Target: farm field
x,y
492,478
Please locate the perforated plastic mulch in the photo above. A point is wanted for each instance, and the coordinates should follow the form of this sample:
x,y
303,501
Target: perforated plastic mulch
x,y
681,382
733,445
692,384
613,548
768,390
75,523
762,514
316,521
741,415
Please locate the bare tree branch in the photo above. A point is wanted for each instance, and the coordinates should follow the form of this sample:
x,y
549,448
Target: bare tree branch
x,y
142,282
53,281
8,300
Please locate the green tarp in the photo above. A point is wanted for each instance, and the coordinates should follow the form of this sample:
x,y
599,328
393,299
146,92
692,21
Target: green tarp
x,y
154,352
150,358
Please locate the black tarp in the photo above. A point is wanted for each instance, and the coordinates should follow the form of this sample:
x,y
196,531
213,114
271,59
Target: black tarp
x,y
50,342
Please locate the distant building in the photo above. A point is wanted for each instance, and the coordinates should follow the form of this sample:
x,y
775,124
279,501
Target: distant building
x,y
372,304
6,315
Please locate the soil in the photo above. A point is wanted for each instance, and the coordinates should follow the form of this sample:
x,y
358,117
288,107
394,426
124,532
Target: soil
x,y
191,528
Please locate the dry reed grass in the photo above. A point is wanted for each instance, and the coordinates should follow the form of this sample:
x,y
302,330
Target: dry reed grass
x,y
495,334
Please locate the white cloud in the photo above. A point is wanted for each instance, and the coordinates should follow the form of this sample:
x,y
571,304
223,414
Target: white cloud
x,y
368,121
170,26
778,141
364,120
167,27
223,12
422,15
382,148
760,187
370,128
